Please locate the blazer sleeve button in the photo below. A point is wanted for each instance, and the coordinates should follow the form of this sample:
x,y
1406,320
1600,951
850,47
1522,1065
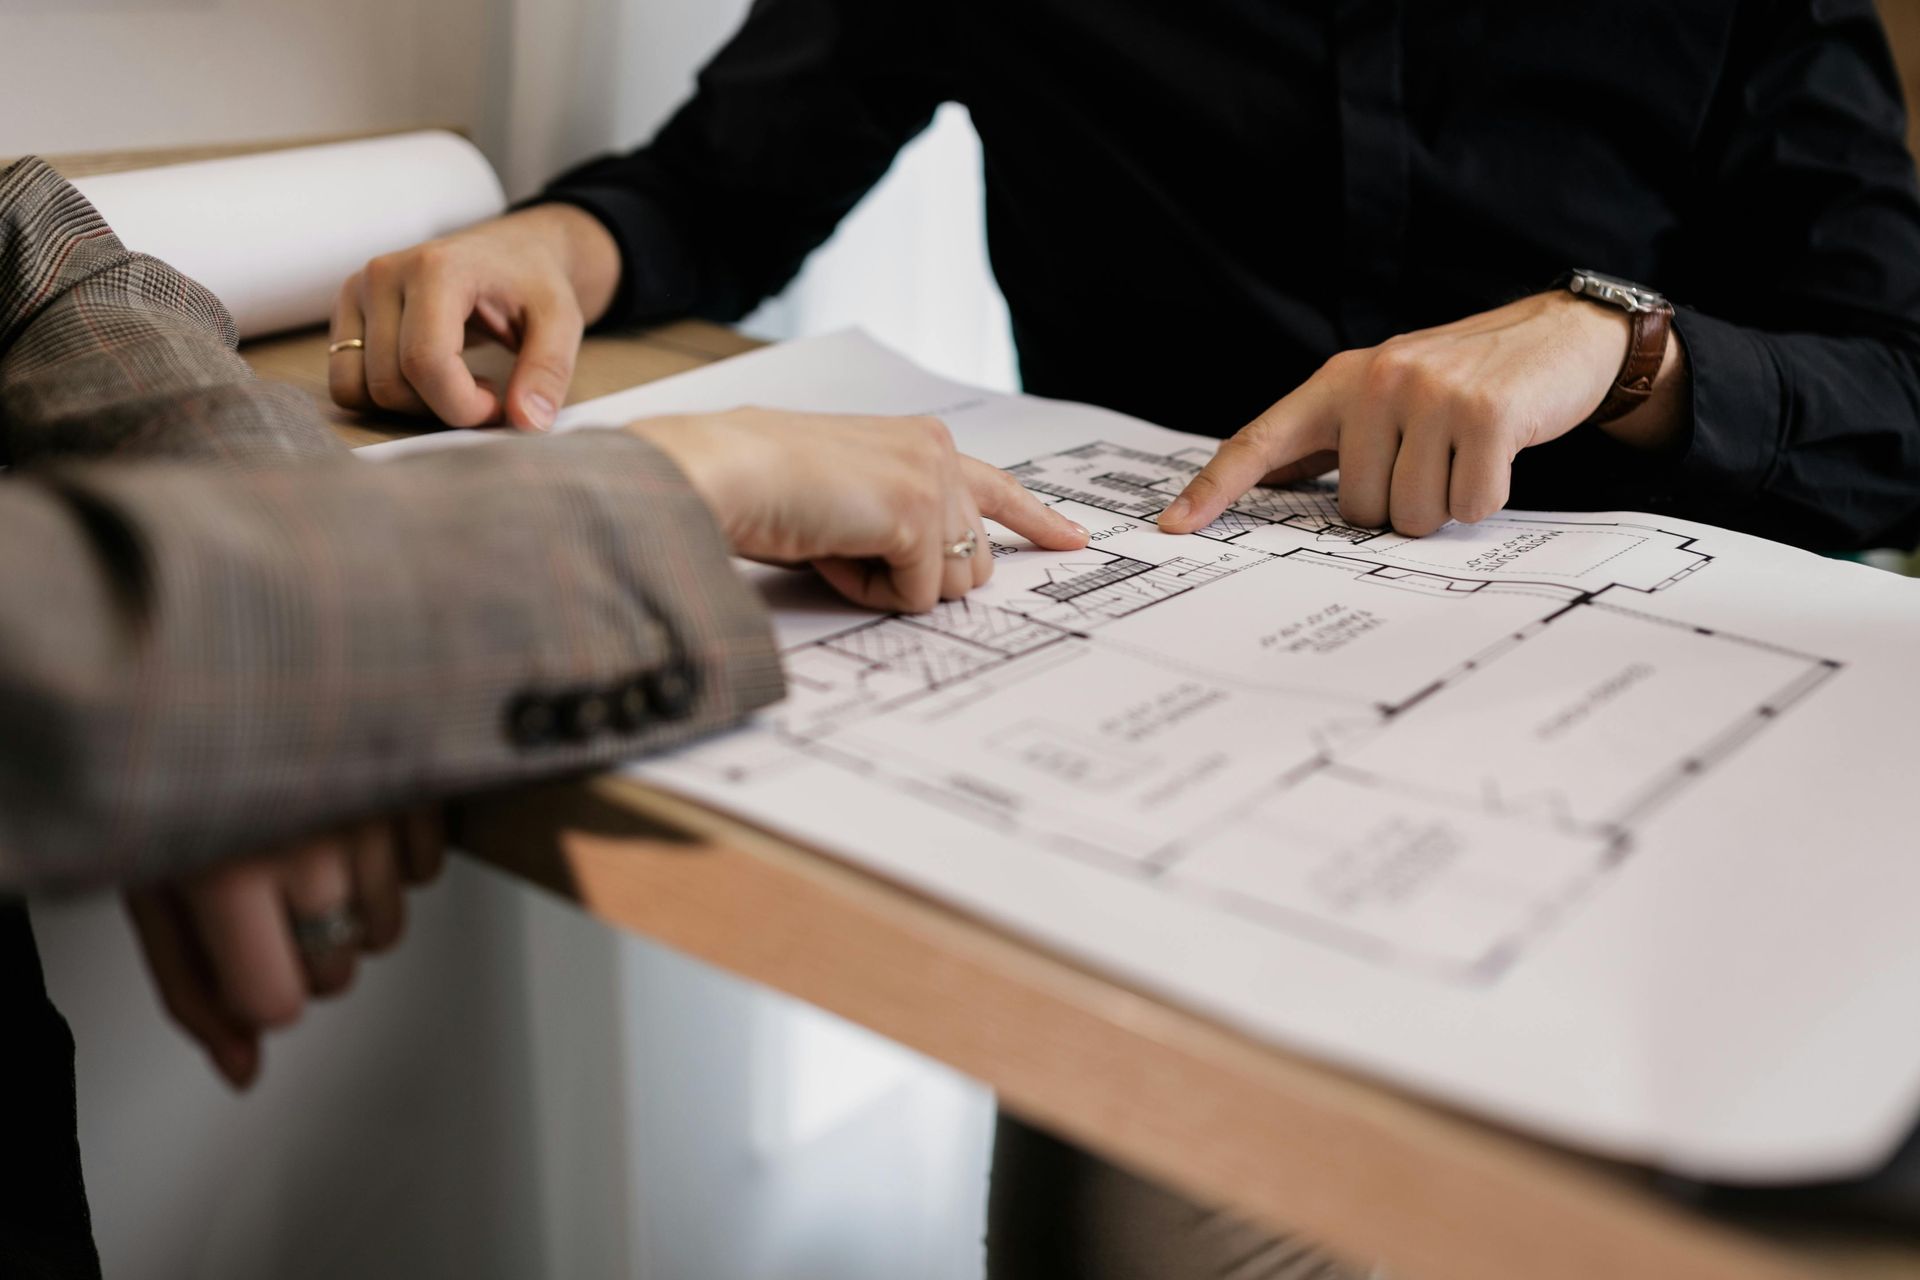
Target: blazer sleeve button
x,y
530,721
579,717
671,692
630,707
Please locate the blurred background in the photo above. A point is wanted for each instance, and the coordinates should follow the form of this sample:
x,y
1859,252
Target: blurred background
x,y
516,1091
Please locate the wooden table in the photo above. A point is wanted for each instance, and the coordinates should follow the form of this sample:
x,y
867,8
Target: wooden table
x,y
1371,1172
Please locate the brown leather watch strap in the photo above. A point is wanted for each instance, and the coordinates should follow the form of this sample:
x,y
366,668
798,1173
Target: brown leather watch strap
x,y
1646,352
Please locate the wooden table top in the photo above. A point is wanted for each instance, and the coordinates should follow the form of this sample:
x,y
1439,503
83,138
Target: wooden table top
x,y
1373,1173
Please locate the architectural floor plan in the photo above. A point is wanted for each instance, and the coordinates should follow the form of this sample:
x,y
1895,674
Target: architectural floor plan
x,y
1598,824
1094,704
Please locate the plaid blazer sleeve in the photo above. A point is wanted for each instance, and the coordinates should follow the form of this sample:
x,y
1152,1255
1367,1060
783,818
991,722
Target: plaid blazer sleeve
x,y
204,657
110,354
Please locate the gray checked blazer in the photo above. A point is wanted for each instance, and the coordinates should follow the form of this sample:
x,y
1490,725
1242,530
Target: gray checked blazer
x,y
218,631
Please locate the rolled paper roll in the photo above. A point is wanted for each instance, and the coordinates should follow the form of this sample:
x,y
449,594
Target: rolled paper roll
x,y
275,234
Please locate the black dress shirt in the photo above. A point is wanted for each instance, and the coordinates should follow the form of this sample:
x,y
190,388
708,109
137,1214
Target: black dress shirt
x,y
1192,204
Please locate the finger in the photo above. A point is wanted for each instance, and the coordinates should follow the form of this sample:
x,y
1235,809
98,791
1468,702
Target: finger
x,y
424,850
347,370
1308,468
1004,500
544,368
495,396
381,304
433,332
1298,426
981,562
186,987
376,882
317,881
1482,472
917,567
242,923
854,580
491,323
1422,476
1369,443
870,583
956,572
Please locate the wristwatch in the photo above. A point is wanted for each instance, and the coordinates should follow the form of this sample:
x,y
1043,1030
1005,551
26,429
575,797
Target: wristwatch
x,y
1652,317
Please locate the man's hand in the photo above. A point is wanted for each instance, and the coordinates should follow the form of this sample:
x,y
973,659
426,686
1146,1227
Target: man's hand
x,y
1425,427
225,947
532,281
874,504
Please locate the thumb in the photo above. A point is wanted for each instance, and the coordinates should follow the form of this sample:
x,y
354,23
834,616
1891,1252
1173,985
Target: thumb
x,y
543,369
1003,499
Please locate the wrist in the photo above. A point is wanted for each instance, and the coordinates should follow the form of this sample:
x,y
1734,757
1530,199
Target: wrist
x,y
1657,421
1604,333
688,444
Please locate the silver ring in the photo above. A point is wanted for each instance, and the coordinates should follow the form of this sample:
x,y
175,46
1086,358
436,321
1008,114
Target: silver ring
x,y
339,929
963,547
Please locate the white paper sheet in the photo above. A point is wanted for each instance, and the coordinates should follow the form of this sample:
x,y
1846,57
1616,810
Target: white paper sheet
x,y
273,235
1595,824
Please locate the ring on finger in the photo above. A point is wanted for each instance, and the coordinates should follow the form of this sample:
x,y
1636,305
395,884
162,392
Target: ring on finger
x,y
963,547
334,930
346,344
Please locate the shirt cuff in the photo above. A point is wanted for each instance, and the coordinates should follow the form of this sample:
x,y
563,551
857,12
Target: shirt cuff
x,y
1737,423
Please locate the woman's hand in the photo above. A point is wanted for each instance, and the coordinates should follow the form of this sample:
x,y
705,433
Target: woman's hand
x,y
1425,427
237,950
880,506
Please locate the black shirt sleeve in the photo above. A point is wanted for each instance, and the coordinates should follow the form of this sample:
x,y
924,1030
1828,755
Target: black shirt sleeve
x,y
793,122
1801,289
1783,217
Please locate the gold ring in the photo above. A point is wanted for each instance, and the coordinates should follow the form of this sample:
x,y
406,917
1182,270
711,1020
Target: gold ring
x,y
346,344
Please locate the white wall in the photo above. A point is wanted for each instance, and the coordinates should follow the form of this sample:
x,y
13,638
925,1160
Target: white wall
x,y
590,75
517,1092
106,74
909,265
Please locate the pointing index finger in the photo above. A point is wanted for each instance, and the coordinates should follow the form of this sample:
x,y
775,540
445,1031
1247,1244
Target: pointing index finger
x,y
1291,430
1005,500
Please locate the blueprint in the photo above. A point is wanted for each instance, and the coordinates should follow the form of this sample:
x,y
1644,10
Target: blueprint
x,y
1593,823
1149,707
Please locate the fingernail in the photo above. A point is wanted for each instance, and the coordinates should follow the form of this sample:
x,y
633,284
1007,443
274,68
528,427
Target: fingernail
x,y
1081,529
539,412
237,1065
1176,511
